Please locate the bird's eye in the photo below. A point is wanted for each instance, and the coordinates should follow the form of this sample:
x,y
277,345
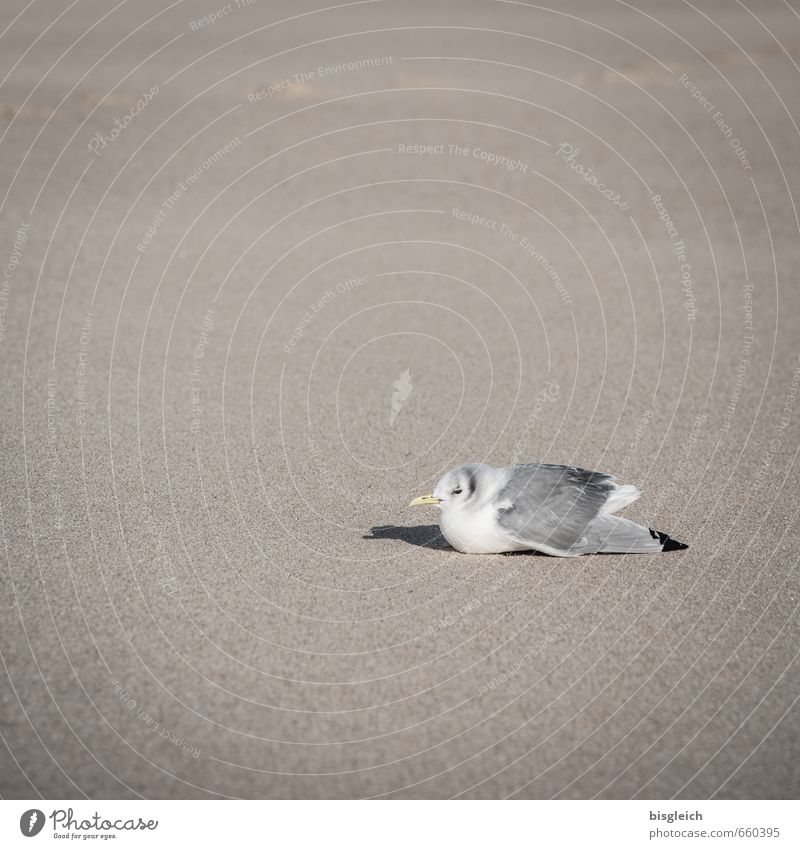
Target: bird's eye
x,y
456,492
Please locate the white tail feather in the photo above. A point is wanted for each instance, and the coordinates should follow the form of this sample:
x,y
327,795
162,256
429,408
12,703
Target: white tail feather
x,y
620,536
621,497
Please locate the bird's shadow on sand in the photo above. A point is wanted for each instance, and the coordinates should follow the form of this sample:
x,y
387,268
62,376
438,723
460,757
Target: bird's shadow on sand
x,y
424,536
427,536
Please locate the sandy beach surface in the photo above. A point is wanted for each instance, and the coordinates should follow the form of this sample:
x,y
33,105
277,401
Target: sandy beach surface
x,y
269,270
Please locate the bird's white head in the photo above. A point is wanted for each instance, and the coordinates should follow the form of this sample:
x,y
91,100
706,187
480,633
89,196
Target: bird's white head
x,y
458,488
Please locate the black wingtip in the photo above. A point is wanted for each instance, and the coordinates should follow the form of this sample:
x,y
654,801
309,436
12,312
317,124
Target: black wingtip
x,y
667,543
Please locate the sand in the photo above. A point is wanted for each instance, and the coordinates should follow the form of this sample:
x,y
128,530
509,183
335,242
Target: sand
x,y
269,271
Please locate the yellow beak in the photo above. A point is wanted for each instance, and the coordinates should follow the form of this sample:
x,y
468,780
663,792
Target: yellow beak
x,y
425,501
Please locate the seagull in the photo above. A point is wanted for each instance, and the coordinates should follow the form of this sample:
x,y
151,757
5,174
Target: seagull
x,y
564,511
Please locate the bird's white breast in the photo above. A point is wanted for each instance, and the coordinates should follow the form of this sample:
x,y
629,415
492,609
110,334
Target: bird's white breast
x,y
477,531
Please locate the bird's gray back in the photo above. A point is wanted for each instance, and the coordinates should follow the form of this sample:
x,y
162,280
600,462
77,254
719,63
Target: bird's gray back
x,y
552,505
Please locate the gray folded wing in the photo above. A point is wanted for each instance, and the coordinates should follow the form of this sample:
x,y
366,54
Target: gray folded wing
x,y
552,505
